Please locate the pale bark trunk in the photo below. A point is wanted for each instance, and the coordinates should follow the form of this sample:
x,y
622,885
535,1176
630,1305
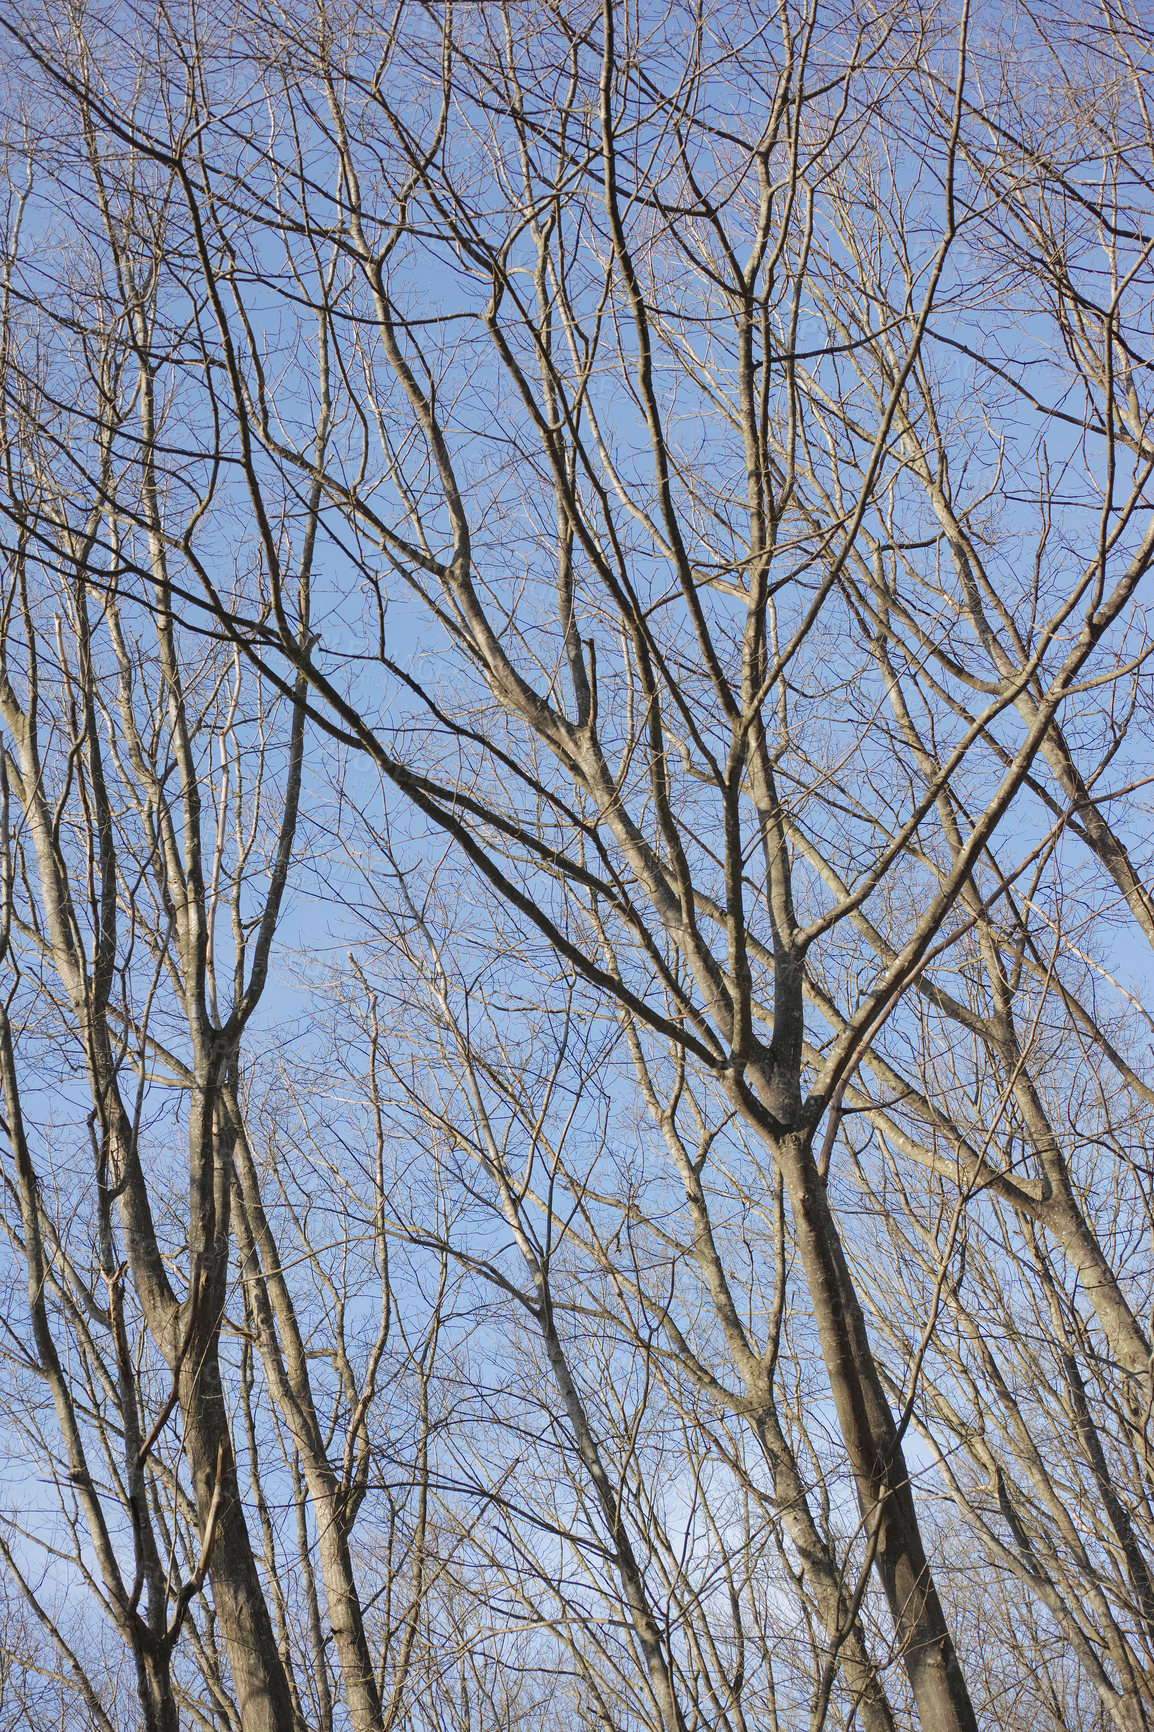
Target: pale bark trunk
x,y
258,1673
876,1458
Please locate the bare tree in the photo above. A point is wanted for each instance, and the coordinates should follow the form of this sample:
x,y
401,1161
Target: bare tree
x,y
728,434
619,1287
150,808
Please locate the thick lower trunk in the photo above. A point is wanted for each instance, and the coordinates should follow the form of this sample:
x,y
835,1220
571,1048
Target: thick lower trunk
x,y
823,1581
154,1686
876,1459
345,1616
258,1673
282,1351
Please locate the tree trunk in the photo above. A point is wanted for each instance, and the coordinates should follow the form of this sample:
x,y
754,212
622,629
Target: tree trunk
x,y
875,1455
258,1674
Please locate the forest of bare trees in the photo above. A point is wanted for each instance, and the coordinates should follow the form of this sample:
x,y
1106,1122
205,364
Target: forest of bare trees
x,y
576,849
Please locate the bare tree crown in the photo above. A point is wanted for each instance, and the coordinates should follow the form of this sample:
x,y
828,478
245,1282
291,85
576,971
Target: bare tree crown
x,y
619,535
